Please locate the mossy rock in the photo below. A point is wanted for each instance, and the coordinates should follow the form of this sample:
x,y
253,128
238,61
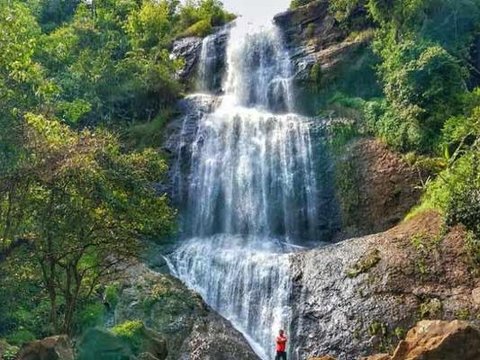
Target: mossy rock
x,y
128,341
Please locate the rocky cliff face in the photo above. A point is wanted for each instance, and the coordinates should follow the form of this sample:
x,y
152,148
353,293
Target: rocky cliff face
x,y
359,296
189,51
190,329
314,36
376,188
327,55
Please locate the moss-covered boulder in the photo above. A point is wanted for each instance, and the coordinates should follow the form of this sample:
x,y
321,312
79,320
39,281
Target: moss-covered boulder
x,y
127,341
191,329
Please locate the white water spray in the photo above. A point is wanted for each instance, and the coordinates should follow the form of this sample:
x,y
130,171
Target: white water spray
x,y
252,189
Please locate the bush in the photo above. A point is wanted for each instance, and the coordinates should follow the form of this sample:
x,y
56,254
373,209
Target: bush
x,y
131,332
201,28
90,316
20,337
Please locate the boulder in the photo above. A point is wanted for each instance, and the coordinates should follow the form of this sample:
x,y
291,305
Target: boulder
x,y
440,340
102,344
51,348
141,343
190,328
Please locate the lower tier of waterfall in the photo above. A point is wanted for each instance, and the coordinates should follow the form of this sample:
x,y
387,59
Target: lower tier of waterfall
x,y
246,279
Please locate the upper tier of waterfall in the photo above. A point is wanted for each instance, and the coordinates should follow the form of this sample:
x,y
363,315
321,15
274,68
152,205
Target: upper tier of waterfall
x,y
252,186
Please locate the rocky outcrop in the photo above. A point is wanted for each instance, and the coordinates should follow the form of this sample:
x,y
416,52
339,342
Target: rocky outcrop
x,y
434,340
440,340
179,137
188,49
376,188
176,314
141,343
314,36
51,348
347,305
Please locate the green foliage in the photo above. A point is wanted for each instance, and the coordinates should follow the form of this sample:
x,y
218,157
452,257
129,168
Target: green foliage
x,y
21,337
90,315
472,246
112,295
365,263
131,332
9,351
200,28
430,309
128,329
346,180
421,84
74,203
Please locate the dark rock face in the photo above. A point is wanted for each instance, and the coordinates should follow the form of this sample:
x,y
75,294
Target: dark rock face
x,y
180,135
51,348
191,330
375,186
315,37
347,306
189,50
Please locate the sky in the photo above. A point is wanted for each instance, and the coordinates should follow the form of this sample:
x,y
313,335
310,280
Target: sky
x,y
257,11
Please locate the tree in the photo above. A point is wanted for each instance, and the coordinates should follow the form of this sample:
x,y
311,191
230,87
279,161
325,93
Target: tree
x,y
87,206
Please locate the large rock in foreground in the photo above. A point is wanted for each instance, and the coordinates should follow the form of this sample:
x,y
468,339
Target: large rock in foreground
x,y
358,297
51,348
440,340
191,329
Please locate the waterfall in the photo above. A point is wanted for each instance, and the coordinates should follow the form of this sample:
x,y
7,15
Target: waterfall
x,y
252,192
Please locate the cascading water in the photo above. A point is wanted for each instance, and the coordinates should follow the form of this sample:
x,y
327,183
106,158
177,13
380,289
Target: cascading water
x,y
252,191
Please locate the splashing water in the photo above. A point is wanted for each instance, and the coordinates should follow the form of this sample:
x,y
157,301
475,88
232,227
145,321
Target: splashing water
x,y
252,190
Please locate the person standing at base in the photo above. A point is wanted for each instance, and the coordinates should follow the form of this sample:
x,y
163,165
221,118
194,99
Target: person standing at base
x,y
281,346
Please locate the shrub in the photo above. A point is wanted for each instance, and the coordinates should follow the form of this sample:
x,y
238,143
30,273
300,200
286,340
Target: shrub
x,y
20,337
90,316
201,28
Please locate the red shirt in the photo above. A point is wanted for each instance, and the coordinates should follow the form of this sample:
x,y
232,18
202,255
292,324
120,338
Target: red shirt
x,y
281,343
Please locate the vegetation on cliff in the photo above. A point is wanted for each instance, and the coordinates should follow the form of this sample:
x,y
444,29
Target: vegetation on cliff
x,y
80,84
428,69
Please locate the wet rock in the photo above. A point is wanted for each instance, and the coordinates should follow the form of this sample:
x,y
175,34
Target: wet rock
x,y
51,348
349,317
176,314
189,50
180,135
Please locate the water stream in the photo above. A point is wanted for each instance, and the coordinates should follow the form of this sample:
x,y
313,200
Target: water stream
x,y
252,187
